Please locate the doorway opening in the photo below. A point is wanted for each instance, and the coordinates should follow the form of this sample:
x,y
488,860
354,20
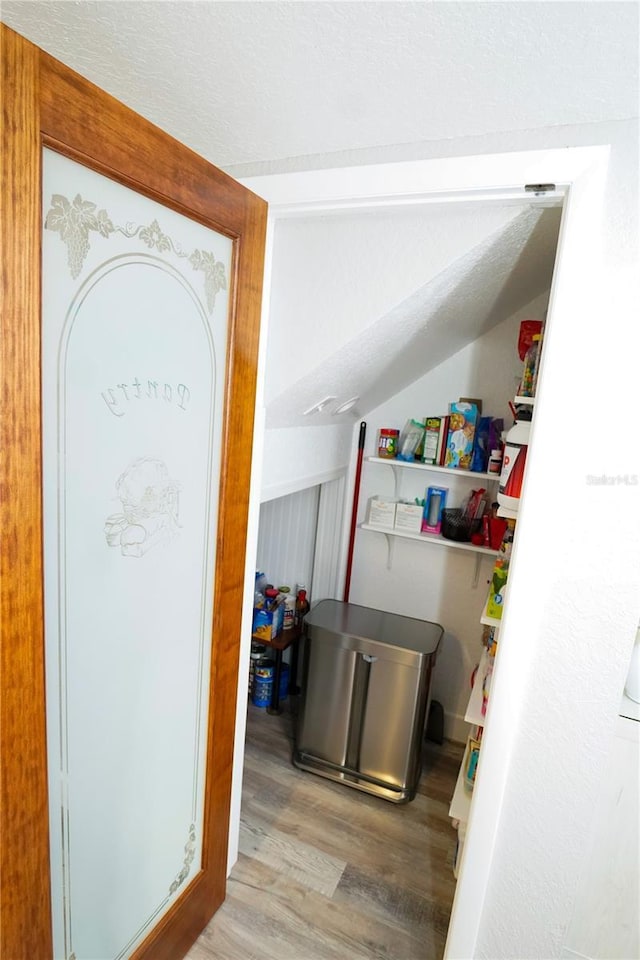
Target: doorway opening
x,y
517,227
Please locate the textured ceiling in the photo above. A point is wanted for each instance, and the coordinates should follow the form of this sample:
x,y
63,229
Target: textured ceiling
x,y
244,82
478,289
334,276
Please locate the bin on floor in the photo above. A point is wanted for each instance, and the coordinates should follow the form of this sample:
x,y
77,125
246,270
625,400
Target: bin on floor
x,y
364,698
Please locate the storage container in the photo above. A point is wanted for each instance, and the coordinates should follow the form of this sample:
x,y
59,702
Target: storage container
x,y
514,461
364,699
262,683
267,624
382,512
388,443
457,526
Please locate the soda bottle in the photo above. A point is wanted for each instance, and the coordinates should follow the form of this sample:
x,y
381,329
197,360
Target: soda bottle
x,y
302,608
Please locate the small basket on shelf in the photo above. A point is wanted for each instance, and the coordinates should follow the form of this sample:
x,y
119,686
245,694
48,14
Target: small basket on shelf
x,y
457,526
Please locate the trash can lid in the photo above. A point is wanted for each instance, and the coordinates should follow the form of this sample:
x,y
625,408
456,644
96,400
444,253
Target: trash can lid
x,y
393,629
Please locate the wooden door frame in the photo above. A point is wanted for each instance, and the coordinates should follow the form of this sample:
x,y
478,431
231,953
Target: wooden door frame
x,y
45,104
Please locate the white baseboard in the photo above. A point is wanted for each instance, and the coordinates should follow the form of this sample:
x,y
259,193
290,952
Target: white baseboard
x,y
456,728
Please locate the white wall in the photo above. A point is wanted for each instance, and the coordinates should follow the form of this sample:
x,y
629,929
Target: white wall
x,y
433,583
287,538
575,600
299,457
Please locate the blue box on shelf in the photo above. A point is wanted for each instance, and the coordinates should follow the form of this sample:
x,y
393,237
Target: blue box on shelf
x,y
267,624
435,499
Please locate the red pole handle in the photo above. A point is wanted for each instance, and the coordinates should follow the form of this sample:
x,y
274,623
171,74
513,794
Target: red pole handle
x,y
354,510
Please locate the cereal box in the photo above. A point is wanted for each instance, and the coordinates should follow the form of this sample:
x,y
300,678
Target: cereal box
x,y
462,428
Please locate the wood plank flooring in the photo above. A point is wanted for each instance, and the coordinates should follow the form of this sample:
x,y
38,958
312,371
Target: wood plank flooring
x,y
328,873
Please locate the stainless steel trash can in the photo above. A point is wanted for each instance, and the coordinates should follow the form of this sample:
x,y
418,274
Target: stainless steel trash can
x,y
365,692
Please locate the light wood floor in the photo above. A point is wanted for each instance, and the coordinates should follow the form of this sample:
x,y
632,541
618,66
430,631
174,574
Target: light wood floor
x,y
328,873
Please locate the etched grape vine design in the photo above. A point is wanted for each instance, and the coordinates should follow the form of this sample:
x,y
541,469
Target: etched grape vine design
x,y
189,855
76,220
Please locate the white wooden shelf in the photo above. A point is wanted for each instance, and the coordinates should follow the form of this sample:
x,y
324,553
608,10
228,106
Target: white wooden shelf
x,y
461,800
507,514
462,836
429,468
430,538
629,709
486,619
520,401
474,714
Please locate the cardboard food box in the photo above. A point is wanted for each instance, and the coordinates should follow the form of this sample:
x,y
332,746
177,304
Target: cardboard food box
x,y
408,517
434,503
432,430
462,427
267,624
382,512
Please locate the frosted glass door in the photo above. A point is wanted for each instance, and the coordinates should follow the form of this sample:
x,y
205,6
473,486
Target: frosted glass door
x,y
134,312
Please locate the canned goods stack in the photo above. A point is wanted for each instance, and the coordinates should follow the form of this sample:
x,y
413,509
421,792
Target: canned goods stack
x,y
258,653
262,682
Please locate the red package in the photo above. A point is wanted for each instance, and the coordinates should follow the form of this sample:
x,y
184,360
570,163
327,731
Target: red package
x,y
497,529
527,329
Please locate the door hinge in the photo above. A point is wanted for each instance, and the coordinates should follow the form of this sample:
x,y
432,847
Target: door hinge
x,y
539,188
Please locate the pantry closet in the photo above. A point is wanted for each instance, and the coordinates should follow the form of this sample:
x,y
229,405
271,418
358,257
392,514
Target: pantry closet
x,y
434,294
484,267
554,611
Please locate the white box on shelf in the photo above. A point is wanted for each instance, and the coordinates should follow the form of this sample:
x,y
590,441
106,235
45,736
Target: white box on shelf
x,y
382,512
474,712
408,517
462,836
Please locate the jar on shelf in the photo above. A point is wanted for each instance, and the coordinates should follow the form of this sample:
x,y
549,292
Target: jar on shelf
x,y
495,462
388,443
289,610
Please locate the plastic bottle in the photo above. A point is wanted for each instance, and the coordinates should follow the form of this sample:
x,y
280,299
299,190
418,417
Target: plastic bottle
x,y
387,443
261,581
271,596
530,372
302,608
289,611
514,460
495,461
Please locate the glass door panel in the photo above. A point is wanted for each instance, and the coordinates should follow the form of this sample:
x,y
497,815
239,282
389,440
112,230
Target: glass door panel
x,y
135,314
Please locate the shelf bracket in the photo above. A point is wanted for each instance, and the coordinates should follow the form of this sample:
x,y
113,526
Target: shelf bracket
x,y
396,481
476,572
390,545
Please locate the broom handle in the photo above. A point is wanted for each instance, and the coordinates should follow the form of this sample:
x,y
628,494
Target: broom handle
x,y
354,510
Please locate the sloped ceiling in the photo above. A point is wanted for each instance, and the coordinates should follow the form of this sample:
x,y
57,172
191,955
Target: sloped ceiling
x,y
481,286
333,275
